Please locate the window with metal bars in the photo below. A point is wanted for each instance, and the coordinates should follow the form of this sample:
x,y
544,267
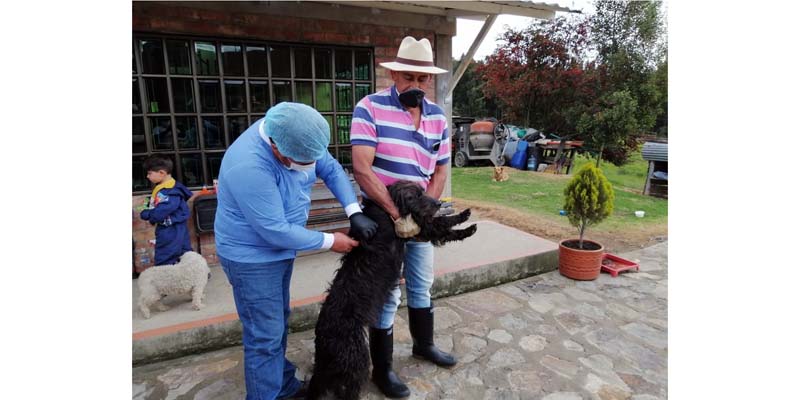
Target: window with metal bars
x,y
192,97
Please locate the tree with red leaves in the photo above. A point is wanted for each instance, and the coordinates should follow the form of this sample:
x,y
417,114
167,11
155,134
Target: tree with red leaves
x,y
540,76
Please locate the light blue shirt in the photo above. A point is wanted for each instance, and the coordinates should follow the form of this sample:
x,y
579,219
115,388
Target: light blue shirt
x,y
262,206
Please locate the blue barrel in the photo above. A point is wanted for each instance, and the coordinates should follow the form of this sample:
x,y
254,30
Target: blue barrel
x,y
518,160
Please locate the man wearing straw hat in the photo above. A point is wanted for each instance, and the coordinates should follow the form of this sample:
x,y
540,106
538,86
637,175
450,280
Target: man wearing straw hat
x,y
397,134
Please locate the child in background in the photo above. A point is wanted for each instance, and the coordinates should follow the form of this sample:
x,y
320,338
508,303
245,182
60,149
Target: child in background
x,y
167,210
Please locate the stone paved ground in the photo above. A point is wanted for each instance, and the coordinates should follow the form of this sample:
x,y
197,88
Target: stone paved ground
x,y
545,337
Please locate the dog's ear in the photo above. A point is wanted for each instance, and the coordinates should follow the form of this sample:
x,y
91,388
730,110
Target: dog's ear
x,y
397,199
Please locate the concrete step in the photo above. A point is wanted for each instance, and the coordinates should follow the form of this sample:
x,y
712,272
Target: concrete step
x,y
495,254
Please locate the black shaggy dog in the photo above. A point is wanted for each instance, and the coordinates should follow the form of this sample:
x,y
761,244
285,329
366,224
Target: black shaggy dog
x,y
361,285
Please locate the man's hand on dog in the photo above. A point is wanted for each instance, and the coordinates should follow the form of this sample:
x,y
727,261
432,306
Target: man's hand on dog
x,y
362,227
343,243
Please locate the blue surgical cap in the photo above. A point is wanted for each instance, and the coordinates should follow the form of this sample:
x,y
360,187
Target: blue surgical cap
x,y
299,131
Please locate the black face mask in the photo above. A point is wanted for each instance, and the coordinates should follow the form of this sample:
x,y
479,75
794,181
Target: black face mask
x,y
412,98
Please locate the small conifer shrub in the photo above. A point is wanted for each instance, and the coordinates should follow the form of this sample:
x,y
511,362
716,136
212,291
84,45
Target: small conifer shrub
x,y
589,198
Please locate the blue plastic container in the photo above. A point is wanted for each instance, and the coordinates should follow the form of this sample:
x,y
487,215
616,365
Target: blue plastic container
x,y
532,163
518,160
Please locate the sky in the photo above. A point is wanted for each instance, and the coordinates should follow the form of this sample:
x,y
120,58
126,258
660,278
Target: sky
x,y
467,30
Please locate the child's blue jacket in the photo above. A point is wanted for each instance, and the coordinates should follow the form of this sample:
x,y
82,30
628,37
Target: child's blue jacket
x,y
170,215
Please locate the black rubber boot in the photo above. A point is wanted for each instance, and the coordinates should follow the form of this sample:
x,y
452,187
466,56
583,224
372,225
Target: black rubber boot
x,y
380,349
420,323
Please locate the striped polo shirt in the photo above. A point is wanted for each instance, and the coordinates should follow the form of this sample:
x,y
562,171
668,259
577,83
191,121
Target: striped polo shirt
x,y
401,152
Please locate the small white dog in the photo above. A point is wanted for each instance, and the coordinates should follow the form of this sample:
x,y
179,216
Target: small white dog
x,y
189,275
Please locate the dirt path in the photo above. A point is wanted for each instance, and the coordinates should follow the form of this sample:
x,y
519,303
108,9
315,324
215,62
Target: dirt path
x,y
614,241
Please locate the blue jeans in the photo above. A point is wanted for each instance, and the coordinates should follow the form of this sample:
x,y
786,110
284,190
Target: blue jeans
x,y
261,293
418,271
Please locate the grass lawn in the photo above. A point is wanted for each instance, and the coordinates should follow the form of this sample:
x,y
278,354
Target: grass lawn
x,y
541,196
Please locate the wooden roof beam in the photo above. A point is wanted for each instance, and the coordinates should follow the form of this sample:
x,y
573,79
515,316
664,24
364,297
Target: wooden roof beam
x,y
421,8
486,7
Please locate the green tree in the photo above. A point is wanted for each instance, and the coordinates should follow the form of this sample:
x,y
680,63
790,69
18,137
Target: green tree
x,y
588,199
610,124
659,79
468,98
629,38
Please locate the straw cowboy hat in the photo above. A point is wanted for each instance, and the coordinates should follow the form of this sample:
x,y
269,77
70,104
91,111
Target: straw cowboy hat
x,y
414,56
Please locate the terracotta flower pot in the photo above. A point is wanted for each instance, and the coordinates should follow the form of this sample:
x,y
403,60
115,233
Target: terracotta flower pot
x,y
583,265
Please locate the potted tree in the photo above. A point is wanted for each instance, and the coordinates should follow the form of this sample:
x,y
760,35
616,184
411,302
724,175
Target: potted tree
x,y
589,199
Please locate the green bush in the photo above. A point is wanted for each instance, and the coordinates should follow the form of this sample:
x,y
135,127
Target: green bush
x,y
589,198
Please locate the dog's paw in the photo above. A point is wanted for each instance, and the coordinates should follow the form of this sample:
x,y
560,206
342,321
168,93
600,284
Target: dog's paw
x,y
471,230
198,306
161,307
146,314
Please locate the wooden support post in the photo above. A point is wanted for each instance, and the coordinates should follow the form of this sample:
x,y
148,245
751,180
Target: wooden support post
x,y
571,160
451,85
560,150
646,191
